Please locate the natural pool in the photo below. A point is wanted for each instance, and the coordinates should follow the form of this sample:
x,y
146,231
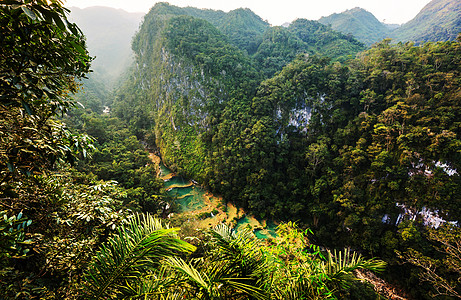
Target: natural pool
x,y
188,196
262,233
192,198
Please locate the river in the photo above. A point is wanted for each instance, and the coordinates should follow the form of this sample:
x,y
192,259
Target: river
x,y
209,210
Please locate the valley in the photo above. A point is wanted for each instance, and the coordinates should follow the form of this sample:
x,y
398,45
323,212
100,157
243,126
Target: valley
x,y
204,210
193,153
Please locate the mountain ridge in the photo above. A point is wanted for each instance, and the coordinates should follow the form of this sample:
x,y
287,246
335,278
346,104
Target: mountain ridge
x,y
439,20
358,22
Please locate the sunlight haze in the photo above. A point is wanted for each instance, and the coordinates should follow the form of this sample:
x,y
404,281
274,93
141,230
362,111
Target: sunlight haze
x,y
279,12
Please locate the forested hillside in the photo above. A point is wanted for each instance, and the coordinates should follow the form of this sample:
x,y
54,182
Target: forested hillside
x,y
354,152
355,148
69,231
440,20
188,76
362,24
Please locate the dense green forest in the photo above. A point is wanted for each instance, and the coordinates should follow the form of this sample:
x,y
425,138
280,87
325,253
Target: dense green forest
x,y
69,231
302,125
437,21
343,146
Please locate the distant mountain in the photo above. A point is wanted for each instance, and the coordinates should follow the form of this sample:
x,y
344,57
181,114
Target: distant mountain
x,y
392,26
271,47
109,32
280,45
360,23
242,26
440,20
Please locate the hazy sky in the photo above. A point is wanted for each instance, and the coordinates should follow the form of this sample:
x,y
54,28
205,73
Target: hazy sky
x,y
279,12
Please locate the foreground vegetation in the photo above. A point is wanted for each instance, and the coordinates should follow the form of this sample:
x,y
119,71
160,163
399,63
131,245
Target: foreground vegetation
x,y
364,151
369,133
55,217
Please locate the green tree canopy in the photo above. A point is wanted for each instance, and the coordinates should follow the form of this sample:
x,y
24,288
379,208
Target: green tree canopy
x,y
41,56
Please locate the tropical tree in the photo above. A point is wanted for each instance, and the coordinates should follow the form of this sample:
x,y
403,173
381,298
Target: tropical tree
x,y
443,270
41,55
234,267
135,249
230,265
301,270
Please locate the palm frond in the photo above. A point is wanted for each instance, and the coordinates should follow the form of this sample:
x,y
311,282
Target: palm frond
x,y
242,247
341,264
202,281
210,285
306,281
138,245
238,262
232,242
247,289
158,284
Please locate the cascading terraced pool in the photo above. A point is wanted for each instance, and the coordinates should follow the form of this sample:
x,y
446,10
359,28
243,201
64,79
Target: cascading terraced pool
x,y
193,198
188,196
261,233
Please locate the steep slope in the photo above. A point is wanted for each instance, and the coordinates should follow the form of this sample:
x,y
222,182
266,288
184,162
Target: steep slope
x,y
192,85
324,41
360,23
365,151
187,76
440,20
278,47
241,26
109,32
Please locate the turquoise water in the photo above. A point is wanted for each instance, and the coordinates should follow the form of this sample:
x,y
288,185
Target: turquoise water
x,y
271,229
164,171
191,197
268,232
242,223
177,181
188,198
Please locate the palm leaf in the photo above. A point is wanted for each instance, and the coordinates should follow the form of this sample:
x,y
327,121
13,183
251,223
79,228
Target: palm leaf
x,y
340,266
241,250
158,284
194,276
244,266
137,247
210,285
233,269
